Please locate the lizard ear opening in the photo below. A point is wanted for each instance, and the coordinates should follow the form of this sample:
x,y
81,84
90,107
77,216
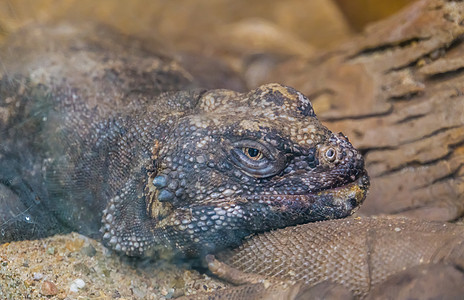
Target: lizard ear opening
x,y
158,201
125,225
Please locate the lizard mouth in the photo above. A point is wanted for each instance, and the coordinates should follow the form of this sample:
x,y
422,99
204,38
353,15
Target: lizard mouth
x,y
350,195
331,203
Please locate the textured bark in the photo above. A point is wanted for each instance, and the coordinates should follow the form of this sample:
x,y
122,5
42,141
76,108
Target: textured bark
x,y
397,92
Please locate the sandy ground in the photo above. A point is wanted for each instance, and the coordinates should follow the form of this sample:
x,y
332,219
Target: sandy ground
x,y
76,267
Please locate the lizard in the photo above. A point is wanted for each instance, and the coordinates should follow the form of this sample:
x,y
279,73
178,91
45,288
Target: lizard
x,y
112,140
89,144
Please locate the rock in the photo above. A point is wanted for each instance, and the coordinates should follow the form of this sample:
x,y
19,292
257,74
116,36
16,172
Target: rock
x,y
49,288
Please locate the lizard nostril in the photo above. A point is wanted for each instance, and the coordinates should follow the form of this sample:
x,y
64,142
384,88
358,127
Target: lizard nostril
x,y
330,154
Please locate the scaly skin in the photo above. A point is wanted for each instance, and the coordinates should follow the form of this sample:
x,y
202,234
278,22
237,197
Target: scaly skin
x,y
96,137
359,254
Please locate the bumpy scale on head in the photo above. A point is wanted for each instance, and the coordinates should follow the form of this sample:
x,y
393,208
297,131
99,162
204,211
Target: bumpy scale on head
x,y
245,163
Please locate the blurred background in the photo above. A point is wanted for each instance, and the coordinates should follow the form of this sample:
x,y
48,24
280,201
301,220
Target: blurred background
x,y
229,28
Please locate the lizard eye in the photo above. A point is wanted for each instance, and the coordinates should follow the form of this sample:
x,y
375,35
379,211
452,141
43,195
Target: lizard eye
x,y
253,153
257,159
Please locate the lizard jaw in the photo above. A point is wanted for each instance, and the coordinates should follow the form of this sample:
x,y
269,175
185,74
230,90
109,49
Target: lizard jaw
x,y
333,203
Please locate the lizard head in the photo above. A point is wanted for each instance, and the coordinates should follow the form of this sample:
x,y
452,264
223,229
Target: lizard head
x,y
246,163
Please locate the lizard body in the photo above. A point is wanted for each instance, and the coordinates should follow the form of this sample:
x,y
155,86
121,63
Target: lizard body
x,y
102,136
